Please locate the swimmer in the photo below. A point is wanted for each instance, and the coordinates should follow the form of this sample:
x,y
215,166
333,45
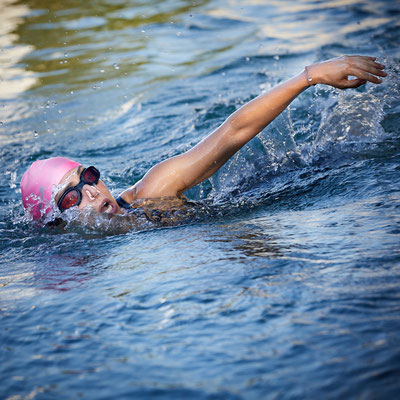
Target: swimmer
x,y
168,180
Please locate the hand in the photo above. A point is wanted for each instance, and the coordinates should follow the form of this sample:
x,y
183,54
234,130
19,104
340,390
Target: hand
x,y
336,72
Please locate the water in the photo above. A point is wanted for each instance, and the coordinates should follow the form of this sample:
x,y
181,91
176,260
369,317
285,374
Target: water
x,y
287,287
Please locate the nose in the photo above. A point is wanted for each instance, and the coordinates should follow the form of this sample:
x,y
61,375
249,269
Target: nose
x,y
91,192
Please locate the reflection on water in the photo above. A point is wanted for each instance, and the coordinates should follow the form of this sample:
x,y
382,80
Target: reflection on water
x,y
68,46
14,78
253,239
82,45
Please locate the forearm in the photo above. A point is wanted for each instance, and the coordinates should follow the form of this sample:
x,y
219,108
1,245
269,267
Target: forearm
x,y
254,116
244,124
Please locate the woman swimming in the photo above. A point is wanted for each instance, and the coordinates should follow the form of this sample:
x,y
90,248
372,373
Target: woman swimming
x,y
168,180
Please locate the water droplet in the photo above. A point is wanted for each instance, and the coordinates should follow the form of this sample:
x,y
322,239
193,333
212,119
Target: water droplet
x,y
102,70
276,57
72,92
60,111
179,34
65,54
247,58
117,85
1,124
143,31
116,66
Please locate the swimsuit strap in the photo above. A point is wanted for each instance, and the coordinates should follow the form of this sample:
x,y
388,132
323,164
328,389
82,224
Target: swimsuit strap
x,y
122,203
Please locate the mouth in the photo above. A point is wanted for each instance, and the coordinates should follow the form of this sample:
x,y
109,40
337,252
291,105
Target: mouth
x,y
108,207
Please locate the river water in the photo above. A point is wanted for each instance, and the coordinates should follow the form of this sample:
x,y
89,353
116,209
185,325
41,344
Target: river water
x,y
286,288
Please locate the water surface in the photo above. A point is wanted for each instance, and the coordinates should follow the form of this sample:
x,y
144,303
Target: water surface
x,y
287,288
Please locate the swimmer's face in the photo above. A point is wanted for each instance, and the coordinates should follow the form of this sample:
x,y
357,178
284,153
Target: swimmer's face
x,y
96,196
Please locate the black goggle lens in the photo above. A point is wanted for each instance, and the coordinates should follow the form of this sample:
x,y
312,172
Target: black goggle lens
x,y
69,200
90,175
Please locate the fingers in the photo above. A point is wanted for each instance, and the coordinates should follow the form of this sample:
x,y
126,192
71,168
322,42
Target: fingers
x,y
336,72
365,76
365,68
370,66
366,59
353,83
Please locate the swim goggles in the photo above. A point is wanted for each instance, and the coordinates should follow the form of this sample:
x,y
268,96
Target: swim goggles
x,y
73,195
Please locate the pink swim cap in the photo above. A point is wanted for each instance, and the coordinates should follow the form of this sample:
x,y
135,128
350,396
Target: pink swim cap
x,y
38,181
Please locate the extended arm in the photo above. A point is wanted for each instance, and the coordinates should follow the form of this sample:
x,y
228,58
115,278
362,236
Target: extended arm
x,y
178,174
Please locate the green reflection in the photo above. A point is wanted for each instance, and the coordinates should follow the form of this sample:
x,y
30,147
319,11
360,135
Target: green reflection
x,y
80,44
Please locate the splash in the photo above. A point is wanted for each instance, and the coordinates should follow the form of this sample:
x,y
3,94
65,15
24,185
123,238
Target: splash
x,y
348,125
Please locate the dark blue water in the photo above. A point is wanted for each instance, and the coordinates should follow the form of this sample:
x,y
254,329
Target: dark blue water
x,y
285,287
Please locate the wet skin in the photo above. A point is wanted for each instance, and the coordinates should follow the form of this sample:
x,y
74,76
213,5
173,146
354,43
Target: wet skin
x,y
95,196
